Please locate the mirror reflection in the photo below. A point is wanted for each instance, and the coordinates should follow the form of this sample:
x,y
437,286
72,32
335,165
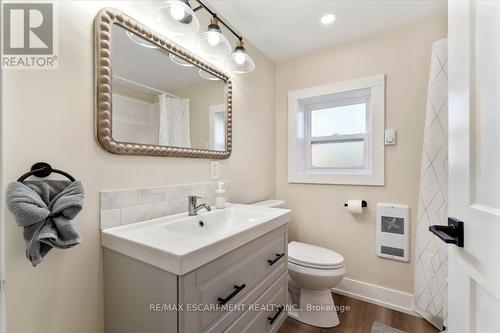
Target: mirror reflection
x,y
161,99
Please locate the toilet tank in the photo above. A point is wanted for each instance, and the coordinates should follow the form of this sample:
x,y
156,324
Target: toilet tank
x,y
274,203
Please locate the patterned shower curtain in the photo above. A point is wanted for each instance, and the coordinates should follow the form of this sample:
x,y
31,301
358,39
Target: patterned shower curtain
x,y
431,254
174,122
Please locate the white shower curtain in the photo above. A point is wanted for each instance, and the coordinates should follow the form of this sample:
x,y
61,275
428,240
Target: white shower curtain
x,y
174,122
431,254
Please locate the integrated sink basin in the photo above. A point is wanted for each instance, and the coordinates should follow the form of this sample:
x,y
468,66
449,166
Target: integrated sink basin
x,y
206,227
181,243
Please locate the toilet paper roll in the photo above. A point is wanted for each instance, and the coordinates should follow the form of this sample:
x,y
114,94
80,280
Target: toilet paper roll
x,y
355,207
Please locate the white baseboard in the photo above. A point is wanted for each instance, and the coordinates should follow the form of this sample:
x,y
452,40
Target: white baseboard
x,y
371,293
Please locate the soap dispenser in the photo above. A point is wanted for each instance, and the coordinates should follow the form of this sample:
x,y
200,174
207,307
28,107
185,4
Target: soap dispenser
x,y
220,196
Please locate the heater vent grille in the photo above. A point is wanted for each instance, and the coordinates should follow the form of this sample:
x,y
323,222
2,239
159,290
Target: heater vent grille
x,y
393,231
392,251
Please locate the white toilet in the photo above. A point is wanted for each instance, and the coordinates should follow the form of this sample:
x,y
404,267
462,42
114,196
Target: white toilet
x,y
312,272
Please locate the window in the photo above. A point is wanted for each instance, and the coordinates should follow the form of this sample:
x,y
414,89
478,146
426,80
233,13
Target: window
x,y
216,127
336,133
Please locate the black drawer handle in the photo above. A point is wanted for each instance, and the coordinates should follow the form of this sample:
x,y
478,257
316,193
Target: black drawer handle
x,y
278,257
235,292
273,318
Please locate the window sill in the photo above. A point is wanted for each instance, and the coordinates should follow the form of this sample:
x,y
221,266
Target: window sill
x,y
338,178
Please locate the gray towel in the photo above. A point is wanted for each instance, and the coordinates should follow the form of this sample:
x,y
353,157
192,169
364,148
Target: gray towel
x,y
45,210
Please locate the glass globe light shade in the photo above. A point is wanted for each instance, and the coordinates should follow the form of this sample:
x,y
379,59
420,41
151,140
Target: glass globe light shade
x,y
239,61
212,43
177,17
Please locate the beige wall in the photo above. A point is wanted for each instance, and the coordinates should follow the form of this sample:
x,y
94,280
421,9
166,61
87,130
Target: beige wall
x,y
319,216
201,97
48,116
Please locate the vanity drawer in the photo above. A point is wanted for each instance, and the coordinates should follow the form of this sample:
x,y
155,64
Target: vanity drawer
x,y
231,279
268,312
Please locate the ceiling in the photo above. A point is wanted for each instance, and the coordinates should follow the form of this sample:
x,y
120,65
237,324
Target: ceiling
x,y
284,29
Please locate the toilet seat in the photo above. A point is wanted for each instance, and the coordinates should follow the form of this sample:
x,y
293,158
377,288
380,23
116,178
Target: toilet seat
x,y
312,256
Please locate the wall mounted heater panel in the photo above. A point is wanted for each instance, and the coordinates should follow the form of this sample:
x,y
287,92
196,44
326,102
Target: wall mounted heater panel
x,y
393,231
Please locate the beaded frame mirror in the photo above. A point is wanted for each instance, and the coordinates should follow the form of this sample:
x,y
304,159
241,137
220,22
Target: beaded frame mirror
x,y
104,22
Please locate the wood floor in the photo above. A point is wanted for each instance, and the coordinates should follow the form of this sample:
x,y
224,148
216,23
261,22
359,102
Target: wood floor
x,y
360,319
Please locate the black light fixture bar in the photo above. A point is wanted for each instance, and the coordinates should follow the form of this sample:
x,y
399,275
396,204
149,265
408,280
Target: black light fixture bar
x,y
202,5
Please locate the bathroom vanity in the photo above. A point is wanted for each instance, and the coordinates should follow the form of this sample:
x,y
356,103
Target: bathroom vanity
x,y
221,271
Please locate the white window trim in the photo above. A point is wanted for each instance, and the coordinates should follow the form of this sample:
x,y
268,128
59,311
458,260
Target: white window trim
x,y
372,173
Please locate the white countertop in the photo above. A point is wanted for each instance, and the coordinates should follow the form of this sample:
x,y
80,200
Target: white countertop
x,y
179,244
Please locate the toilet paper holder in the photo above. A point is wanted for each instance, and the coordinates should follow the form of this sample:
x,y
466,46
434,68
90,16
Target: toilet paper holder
x,y
363,204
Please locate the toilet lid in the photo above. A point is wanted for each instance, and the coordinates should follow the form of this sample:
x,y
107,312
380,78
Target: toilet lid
x,y
313,256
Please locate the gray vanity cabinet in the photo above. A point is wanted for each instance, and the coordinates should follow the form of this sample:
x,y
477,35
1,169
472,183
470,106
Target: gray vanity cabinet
x,y
251,280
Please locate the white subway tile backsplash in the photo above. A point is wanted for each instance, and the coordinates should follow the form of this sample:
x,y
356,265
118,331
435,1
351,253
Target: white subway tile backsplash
x,y
181,205
176,192
200,189
212,187
122,207
168,208
118,199
209,199
136,214
151,195
110,218
161,209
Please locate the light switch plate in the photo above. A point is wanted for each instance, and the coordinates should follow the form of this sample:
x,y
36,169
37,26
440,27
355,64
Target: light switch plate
x,y
214,169
390,137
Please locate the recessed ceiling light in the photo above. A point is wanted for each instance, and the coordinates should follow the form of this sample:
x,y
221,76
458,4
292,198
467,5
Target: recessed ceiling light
x,y
327,19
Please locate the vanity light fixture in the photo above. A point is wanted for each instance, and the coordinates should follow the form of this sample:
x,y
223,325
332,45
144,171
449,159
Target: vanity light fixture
x,y
178,17
327,19
239,61
212,42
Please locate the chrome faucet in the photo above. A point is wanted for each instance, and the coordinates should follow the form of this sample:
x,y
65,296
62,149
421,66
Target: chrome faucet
x,y
193,208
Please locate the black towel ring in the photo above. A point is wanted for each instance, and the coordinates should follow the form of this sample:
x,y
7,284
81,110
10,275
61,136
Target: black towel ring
x,y
41,170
